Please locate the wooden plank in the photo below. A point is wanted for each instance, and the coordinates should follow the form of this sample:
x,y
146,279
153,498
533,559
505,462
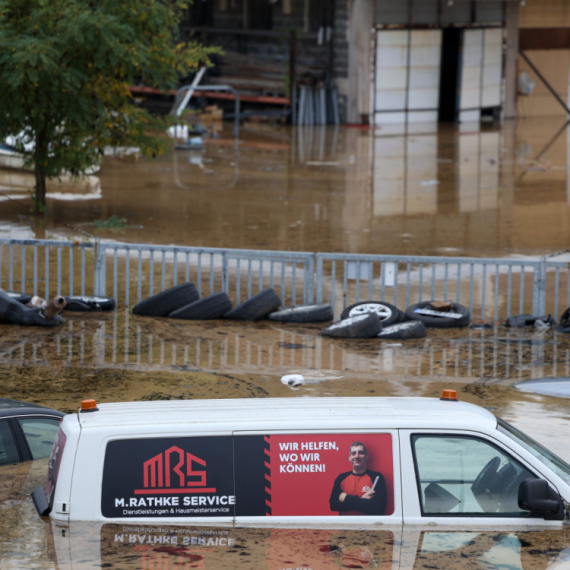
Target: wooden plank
x,y
545,14
544,38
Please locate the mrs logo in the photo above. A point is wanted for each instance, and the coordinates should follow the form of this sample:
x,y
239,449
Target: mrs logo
x,y
172,472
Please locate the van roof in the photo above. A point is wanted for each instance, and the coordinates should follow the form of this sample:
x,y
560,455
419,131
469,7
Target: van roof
x,y
294,413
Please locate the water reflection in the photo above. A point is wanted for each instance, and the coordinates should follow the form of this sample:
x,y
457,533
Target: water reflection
x,y
85,545
123,341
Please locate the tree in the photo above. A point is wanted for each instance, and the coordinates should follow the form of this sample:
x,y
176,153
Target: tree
x,y
65,68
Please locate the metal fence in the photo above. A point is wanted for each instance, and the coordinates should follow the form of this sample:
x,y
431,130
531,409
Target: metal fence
x,y
492,289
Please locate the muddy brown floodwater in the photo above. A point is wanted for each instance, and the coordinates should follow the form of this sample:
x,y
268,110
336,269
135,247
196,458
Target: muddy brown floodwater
x,y
483,192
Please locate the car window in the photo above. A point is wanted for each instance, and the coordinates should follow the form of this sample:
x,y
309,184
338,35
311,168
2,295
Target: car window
x,y
40,434
466,476
8,449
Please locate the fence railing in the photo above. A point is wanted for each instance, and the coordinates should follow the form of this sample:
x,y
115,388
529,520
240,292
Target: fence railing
x,y
492,289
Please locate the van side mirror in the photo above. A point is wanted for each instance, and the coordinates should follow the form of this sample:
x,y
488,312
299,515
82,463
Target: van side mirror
x,y
536,496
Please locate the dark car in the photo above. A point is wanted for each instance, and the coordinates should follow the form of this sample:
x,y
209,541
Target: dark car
x,y
27,431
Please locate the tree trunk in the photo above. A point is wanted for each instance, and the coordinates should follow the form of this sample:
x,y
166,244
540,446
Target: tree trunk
x,y
40,194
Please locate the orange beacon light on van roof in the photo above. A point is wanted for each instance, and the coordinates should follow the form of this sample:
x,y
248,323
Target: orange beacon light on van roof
x,y
449,395
89,406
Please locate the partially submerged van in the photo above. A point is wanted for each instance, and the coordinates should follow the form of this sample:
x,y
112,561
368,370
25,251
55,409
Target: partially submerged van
x,y
321,461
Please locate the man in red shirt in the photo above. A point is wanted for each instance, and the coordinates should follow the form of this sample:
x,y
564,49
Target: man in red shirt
x,y
360,491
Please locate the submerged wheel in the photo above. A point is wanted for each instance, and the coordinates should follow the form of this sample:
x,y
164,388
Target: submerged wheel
x,y
77,303
360,326
163,303
211,307
402,331
20,297
456,318
256,307
388,314
303,314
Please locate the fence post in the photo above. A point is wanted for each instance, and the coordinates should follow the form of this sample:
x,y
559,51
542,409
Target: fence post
x,y
539,288
225,277
99,273
309,279
320,278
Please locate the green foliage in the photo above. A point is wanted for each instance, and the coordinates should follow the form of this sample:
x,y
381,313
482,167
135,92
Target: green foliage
x,y
112,222
65,67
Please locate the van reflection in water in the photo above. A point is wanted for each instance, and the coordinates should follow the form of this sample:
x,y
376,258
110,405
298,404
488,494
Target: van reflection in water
x,y
144,547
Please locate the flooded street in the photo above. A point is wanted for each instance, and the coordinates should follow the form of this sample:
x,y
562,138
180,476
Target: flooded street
x,y
488,192
485,192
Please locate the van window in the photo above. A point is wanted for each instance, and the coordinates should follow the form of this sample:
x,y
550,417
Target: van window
x,y
466,476
40,434
8,449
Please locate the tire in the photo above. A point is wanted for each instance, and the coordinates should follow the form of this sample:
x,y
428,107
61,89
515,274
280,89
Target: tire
x,y
303,314
564,323
165,302
77,303
15,313
256,307
23,298
388,314
442,322
405,330
211,307
366,325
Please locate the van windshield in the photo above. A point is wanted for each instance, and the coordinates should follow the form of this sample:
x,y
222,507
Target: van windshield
x,y
559,466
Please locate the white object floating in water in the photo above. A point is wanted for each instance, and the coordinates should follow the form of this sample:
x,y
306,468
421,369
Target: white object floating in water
x,y
178,132
293,380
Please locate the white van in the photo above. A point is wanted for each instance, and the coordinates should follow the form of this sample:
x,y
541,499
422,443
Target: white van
x,y
309,461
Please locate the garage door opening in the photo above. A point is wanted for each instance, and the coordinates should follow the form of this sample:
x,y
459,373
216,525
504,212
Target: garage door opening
x,y
451,44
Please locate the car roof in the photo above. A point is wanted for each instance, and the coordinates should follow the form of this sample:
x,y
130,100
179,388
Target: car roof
x,y
10,407
295,413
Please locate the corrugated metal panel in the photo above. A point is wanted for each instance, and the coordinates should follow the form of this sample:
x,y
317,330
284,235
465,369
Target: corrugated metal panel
x,y
407,76
492,68
457,13
391,70
392,12
471,70
425,11
486,12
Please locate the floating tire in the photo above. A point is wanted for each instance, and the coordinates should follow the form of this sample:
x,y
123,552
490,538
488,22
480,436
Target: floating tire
x,y
440,321
256,307
211,307
165,302
361,326
388,314
303,314
86,304
23,298
403,331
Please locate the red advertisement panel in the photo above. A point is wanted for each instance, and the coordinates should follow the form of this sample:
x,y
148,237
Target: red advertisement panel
x,y
330,474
